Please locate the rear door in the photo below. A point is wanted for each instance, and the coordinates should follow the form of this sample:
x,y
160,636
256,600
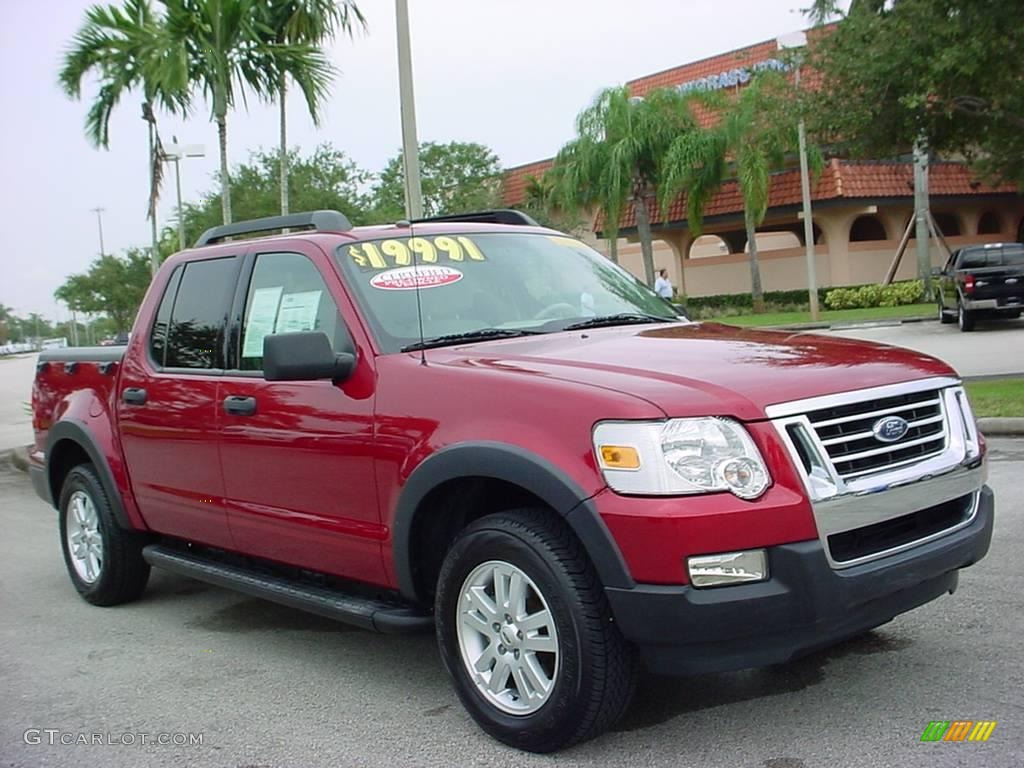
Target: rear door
x,y
298,456
168,409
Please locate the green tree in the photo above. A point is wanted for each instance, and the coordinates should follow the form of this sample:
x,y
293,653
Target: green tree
x,y
127,49
755,131
113,286
229,48
456,178
326,178
617,156
313,22
949,71
542,202
581,184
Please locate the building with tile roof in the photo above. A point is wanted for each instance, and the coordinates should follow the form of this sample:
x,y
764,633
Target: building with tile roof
x,y
860,209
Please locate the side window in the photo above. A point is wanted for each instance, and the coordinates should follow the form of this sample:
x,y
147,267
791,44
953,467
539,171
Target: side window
x,y
286,294
195,336
158,333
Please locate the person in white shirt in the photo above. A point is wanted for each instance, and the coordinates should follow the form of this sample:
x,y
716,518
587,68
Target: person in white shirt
x,y
662,286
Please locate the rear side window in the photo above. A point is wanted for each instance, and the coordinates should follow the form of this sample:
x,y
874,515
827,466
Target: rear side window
x,y
158,334
1009,256
195,337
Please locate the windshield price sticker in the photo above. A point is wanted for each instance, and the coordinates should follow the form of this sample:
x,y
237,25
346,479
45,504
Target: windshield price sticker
x,y
411,278
387,254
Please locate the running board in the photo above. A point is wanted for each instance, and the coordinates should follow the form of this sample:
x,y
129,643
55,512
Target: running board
x,y
367,613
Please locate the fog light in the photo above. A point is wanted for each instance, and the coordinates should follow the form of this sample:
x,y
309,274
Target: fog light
x,y
728,568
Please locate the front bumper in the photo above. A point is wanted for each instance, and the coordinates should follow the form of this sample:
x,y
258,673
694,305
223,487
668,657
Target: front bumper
x,y
805,605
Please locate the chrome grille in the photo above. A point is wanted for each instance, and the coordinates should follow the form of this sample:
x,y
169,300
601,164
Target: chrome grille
x,y
846,433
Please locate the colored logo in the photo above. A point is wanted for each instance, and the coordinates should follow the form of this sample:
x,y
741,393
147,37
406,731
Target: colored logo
x,y
411,278
958,730
890,428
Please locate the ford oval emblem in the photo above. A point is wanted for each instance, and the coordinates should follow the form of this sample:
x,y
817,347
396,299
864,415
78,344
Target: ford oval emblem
x,y
890,429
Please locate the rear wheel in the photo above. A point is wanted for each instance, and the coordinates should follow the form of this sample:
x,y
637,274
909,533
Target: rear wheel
x,y
526,633
103,560
965,318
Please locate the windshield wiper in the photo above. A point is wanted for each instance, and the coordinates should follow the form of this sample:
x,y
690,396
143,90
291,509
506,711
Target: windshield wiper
x,y
481,334
622,318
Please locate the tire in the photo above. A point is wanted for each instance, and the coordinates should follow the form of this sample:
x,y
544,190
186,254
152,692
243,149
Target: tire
x,y
103,560
944,317
965,318
590,675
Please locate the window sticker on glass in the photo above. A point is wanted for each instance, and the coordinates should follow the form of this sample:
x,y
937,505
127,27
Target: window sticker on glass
x,y
396,253
298,312
261,320
411,278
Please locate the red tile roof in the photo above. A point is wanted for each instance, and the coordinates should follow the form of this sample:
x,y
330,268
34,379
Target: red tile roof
x,y
838,180
513,188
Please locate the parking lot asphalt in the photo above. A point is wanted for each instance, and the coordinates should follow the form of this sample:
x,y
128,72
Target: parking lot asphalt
x,y
995,348
270,686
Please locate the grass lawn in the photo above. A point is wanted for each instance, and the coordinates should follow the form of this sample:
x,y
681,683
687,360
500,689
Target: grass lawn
x,y
1001,397
829,315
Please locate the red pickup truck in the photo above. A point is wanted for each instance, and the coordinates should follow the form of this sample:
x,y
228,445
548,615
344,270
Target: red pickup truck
x,y
484,428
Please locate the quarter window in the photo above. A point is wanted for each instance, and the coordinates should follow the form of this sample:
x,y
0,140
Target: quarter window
x,y
158,334
287,294
198,319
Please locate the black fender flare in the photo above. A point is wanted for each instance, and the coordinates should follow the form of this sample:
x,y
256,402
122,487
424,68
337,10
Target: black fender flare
x,y
512,464
78,434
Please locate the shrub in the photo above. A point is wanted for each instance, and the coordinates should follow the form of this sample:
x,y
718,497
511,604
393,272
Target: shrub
x,y
867,296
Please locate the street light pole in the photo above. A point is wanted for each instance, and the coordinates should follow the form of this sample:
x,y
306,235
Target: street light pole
x,y
799,40
99,221
175,153
410,146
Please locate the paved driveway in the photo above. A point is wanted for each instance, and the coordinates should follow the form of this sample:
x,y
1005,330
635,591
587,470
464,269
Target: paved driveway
x,y
16,375
997,347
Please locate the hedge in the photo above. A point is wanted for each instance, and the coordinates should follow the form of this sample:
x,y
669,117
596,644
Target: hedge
x,y
894,295
852,297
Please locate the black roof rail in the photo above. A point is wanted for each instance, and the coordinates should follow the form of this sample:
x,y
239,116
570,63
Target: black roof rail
x,y
321,221
497,216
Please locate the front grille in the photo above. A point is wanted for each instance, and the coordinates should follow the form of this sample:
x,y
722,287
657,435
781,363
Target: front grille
x,y
846,432
889,534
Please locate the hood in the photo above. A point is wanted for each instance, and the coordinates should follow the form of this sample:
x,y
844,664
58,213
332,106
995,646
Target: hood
x,y
702,368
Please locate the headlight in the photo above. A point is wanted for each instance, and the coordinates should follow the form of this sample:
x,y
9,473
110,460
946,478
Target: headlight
x,y
680,456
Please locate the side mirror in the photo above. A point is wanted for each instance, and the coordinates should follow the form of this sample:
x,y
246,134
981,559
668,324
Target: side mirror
x,y
680,309
304,356
938,271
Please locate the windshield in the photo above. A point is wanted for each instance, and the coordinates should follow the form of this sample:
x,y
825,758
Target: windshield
x,y
495,280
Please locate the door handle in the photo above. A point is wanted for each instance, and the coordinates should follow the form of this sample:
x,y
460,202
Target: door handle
x,y
134,396
237,405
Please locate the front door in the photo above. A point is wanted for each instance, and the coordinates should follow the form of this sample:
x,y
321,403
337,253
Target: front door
x,y
297,456
168,409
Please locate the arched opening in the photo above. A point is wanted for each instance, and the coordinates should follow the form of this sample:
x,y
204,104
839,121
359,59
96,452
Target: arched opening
x,y
866,228
989,224
1020,231
948,224
708,245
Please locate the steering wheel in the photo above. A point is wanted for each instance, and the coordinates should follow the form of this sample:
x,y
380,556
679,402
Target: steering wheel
x,y
556,311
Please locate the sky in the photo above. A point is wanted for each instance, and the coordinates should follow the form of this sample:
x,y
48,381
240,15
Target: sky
x,y
510,74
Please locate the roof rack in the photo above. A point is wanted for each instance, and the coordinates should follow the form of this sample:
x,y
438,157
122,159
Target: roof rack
x,y
497,216
321,221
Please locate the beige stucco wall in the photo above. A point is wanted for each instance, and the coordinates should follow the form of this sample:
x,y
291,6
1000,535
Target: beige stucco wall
x,y
837,261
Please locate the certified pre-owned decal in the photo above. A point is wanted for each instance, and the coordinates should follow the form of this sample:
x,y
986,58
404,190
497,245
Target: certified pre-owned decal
x,y
411,278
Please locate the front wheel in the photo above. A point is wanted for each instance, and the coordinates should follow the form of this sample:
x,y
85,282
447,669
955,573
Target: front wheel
x,y
944,316
103,560
527,635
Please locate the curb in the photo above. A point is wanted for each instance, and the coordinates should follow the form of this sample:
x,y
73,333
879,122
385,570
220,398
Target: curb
x,y
841,326
1002,426
19,458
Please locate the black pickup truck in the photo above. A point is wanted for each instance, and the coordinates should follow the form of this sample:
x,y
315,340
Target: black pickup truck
x,y
981,280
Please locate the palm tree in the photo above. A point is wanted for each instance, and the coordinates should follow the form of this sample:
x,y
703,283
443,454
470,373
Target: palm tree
x,y
617,156
313,22
228,49
127,49
756,131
